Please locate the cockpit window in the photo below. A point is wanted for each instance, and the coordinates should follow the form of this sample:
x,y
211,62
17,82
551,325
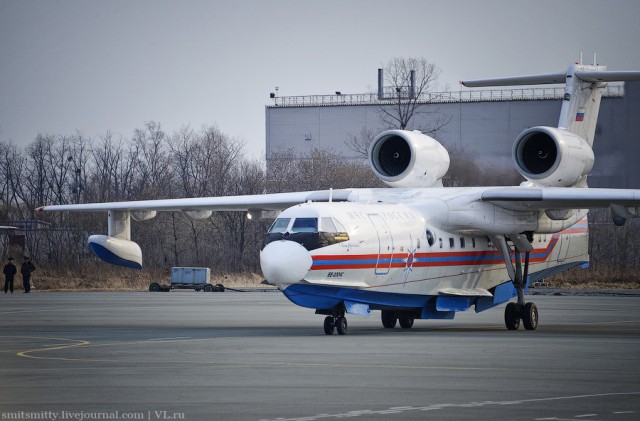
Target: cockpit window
x,y
311,233
305,225
280,225
327,225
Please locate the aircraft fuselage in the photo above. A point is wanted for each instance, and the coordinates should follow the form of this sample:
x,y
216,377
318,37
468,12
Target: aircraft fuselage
x,y
392,252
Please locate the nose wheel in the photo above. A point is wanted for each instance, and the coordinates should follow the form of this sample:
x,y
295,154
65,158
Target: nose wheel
x,y
335,323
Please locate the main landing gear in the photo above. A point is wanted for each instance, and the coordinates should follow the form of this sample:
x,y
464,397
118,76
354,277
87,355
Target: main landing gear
x,y
390,318
338,323
515,312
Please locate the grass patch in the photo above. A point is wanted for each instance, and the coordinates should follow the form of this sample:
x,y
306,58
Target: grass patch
x,y
597,277
113,278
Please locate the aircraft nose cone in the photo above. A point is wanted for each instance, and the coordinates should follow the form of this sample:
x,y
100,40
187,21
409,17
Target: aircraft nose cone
x,y
285,262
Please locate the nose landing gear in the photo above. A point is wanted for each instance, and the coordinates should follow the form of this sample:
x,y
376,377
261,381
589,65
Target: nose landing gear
x,y
515,312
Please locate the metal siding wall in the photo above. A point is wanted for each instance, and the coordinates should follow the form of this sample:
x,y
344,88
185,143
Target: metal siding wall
x,y
482,130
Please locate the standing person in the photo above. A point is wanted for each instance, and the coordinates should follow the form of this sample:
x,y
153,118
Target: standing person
x,y
26,269
9,272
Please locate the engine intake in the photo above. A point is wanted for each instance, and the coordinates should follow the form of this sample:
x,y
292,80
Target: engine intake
x,y
402,158
552,157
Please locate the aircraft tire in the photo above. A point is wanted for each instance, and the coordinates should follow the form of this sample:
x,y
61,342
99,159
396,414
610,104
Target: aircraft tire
x,y
511,317
530,316
389,319
329,325
341,325
406,322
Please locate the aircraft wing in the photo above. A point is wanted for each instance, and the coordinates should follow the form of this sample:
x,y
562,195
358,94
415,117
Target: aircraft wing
x,y
273,201
523,198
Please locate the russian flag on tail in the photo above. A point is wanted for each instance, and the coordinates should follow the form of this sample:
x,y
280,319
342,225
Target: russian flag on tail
x,y
580,117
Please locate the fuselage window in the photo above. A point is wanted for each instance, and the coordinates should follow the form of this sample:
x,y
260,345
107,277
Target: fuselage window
x,y
461,242
451,242
430,238
473,242
280,225
305,225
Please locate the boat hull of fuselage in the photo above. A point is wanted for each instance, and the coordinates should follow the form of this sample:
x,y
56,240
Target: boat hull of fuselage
x,y
415,274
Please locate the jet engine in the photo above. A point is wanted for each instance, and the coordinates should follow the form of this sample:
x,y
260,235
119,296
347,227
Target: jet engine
x,y
552,157
404,158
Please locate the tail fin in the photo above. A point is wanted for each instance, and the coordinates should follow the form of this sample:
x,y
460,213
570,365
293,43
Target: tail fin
x,y
583,90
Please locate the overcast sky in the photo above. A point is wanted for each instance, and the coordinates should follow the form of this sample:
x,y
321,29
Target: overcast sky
x,y
104,65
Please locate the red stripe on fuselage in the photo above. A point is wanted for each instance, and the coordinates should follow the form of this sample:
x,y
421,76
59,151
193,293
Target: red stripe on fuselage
x,y
434,259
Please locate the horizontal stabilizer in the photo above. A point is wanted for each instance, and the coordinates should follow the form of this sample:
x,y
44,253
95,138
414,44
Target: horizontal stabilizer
x,y
542,79
607,76
546,79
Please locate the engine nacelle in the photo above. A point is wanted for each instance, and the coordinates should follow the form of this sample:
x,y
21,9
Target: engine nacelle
x,y
197,215
552,157
116,251
404,158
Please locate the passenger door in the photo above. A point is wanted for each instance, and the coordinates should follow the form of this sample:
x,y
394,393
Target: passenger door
x,y
385,244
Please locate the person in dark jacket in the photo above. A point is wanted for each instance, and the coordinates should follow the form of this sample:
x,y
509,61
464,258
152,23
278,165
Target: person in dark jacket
x,y
26,269
9,273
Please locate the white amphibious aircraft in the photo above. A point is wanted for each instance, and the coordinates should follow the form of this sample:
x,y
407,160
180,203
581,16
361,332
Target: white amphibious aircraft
x,y
419,250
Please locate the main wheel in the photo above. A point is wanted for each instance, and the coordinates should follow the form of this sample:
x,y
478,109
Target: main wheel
x,y
341,325
329,325
389,319
511,316
406,322
530,316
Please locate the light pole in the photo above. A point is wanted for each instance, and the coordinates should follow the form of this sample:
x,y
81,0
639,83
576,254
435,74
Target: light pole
x,y
76,188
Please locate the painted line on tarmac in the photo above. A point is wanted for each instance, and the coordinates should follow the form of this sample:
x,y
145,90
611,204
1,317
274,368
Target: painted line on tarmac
x,y
75,343
435,407
80,343
177,338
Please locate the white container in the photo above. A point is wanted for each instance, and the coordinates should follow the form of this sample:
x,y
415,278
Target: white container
x,y
196,276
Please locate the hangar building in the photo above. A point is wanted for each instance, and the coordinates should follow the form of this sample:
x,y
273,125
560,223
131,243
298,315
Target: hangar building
x,y
483,124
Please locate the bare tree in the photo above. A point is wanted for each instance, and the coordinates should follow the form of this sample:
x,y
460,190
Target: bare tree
x,y
319,169
12,165
407,102
409,97
360,143
152,162
113,172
